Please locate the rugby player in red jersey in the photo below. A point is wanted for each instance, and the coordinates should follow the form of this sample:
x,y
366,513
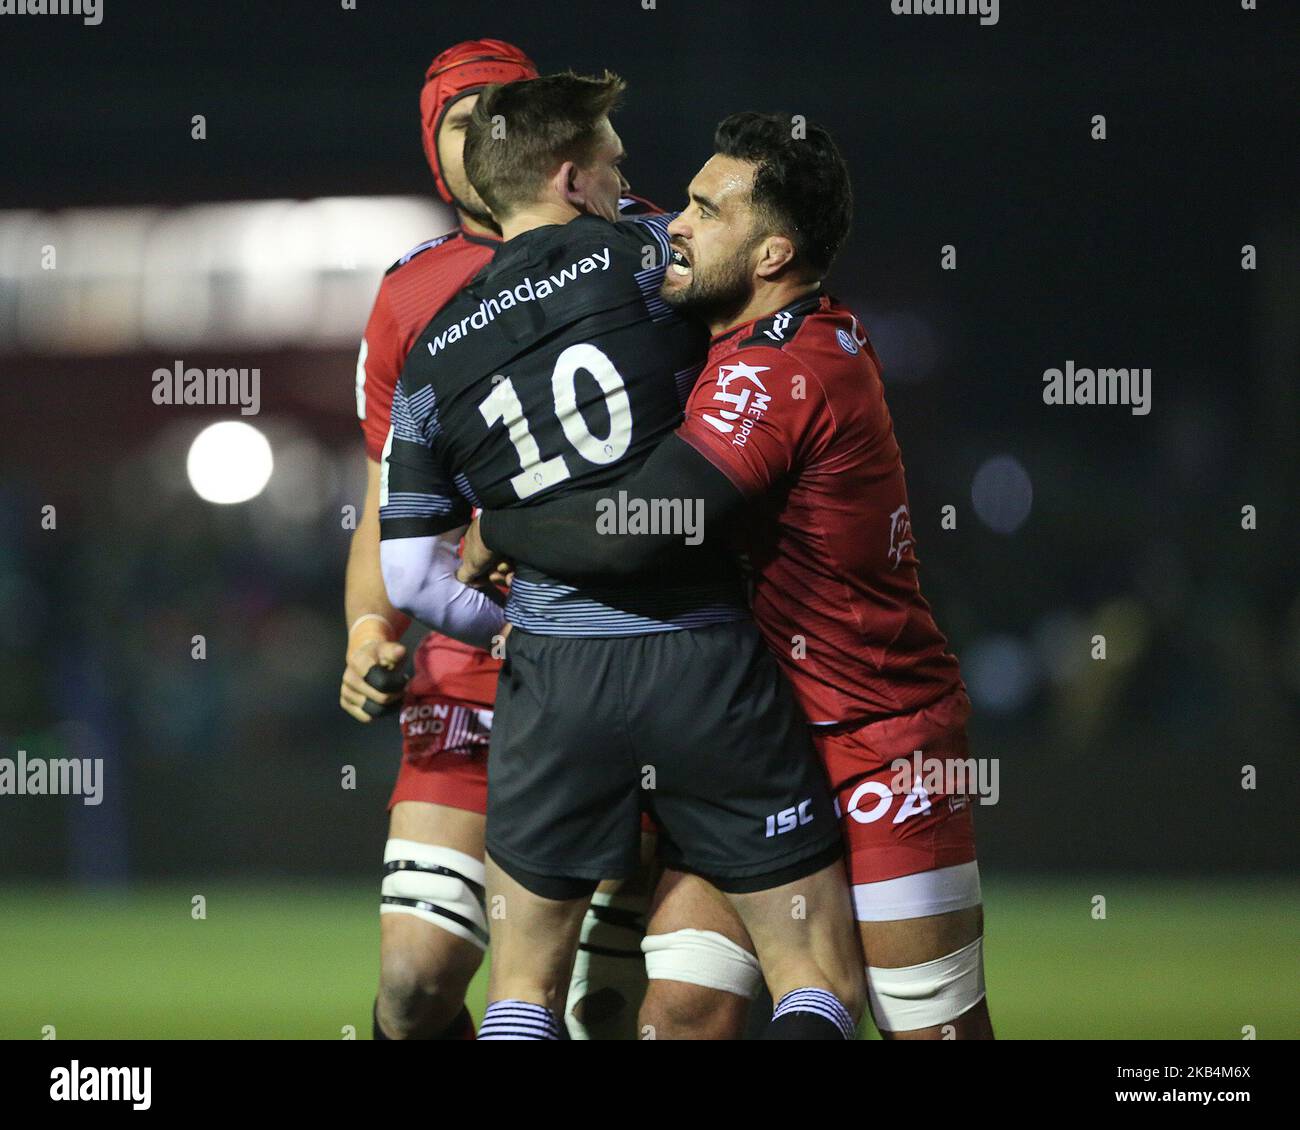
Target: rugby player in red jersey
x,y
433,930
787,430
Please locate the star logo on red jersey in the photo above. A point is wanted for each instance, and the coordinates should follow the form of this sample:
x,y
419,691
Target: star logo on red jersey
x,y
729,373
753,400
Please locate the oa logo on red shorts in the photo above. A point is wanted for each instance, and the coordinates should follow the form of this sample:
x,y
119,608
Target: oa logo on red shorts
x,y
871,800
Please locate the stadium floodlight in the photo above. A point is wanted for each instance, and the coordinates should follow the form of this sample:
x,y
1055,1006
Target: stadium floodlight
x,y
229,462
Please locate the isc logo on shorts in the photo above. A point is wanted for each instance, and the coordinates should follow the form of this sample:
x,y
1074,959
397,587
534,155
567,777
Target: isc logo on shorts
x,y
789,818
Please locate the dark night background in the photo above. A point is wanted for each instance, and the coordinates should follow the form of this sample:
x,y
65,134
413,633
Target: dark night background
x,y
1123,252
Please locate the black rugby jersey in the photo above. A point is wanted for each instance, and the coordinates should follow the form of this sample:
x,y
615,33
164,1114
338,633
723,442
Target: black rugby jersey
x,y
558,368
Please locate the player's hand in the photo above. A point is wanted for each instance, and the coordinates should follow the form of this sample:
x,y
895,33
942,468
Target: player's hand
x,y
373,683
479,566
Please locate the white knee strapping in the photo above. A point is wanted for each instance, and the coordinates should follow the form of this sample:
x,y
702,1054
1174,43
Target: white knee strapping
x,y
702,957
918,896
439,884
921,996
608,972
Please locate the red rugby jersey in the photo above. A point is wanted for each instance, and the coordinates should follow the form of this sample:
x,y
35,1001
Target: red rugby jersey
x,y
792,410
413,290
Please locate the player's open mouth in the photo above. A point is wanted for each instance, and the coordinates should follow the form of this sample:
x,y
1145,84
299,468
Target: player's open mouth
x,y
680,264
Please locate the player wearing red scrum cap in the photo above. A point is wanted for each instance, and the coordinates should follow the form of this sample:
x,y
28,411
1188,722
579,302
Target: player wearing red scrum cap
x,y
433,925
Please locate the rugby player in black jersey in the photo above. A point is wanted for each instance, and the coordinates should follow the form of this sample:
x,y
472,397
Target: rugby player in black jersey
x,y
559,368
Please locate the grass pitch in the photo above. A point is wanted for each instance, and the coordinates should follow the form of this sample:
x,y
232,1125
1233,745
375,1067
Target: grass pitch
x,y
1171,960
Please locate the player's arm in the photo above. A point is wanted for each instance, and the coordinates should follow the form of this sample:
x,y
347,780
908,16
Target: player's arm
x,y
372,668
364,593
420,574
578,538
374,625
421,514
749,423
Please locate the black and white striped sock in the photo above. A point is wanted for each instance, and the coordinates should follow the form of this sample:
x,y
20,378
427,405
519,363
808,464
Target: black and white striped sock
x,y
810,1014
519,1020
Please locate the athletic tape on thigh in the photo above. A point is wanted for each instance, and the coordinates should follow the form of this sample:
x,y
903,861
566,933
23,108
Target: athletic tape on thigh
x,y
608,968
921,996
439,884
702,957
919,895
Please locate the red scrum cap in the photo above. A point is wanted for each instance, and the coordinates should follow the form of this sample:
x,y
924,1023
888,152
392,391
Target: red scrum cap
x,y
464,69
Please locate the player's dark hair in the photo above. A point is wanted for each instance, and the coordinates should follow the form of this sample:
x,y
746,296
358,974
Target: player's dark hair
x,y
801,185
521,132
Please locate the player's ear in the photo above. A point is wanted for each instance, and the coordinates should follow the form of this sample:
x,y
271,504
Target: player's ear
x,y
566,183
775,253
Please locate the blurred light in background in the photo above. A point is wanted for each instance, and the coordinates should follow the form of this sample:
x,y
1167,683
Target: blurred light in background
x,y
270,272
1001,674
1002,494
229,462
305,480
1061,639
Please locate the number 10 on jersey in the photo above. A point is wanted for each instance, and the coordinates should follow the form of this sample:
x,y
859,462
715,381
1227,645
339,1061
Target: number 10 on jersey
x,y
502,404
